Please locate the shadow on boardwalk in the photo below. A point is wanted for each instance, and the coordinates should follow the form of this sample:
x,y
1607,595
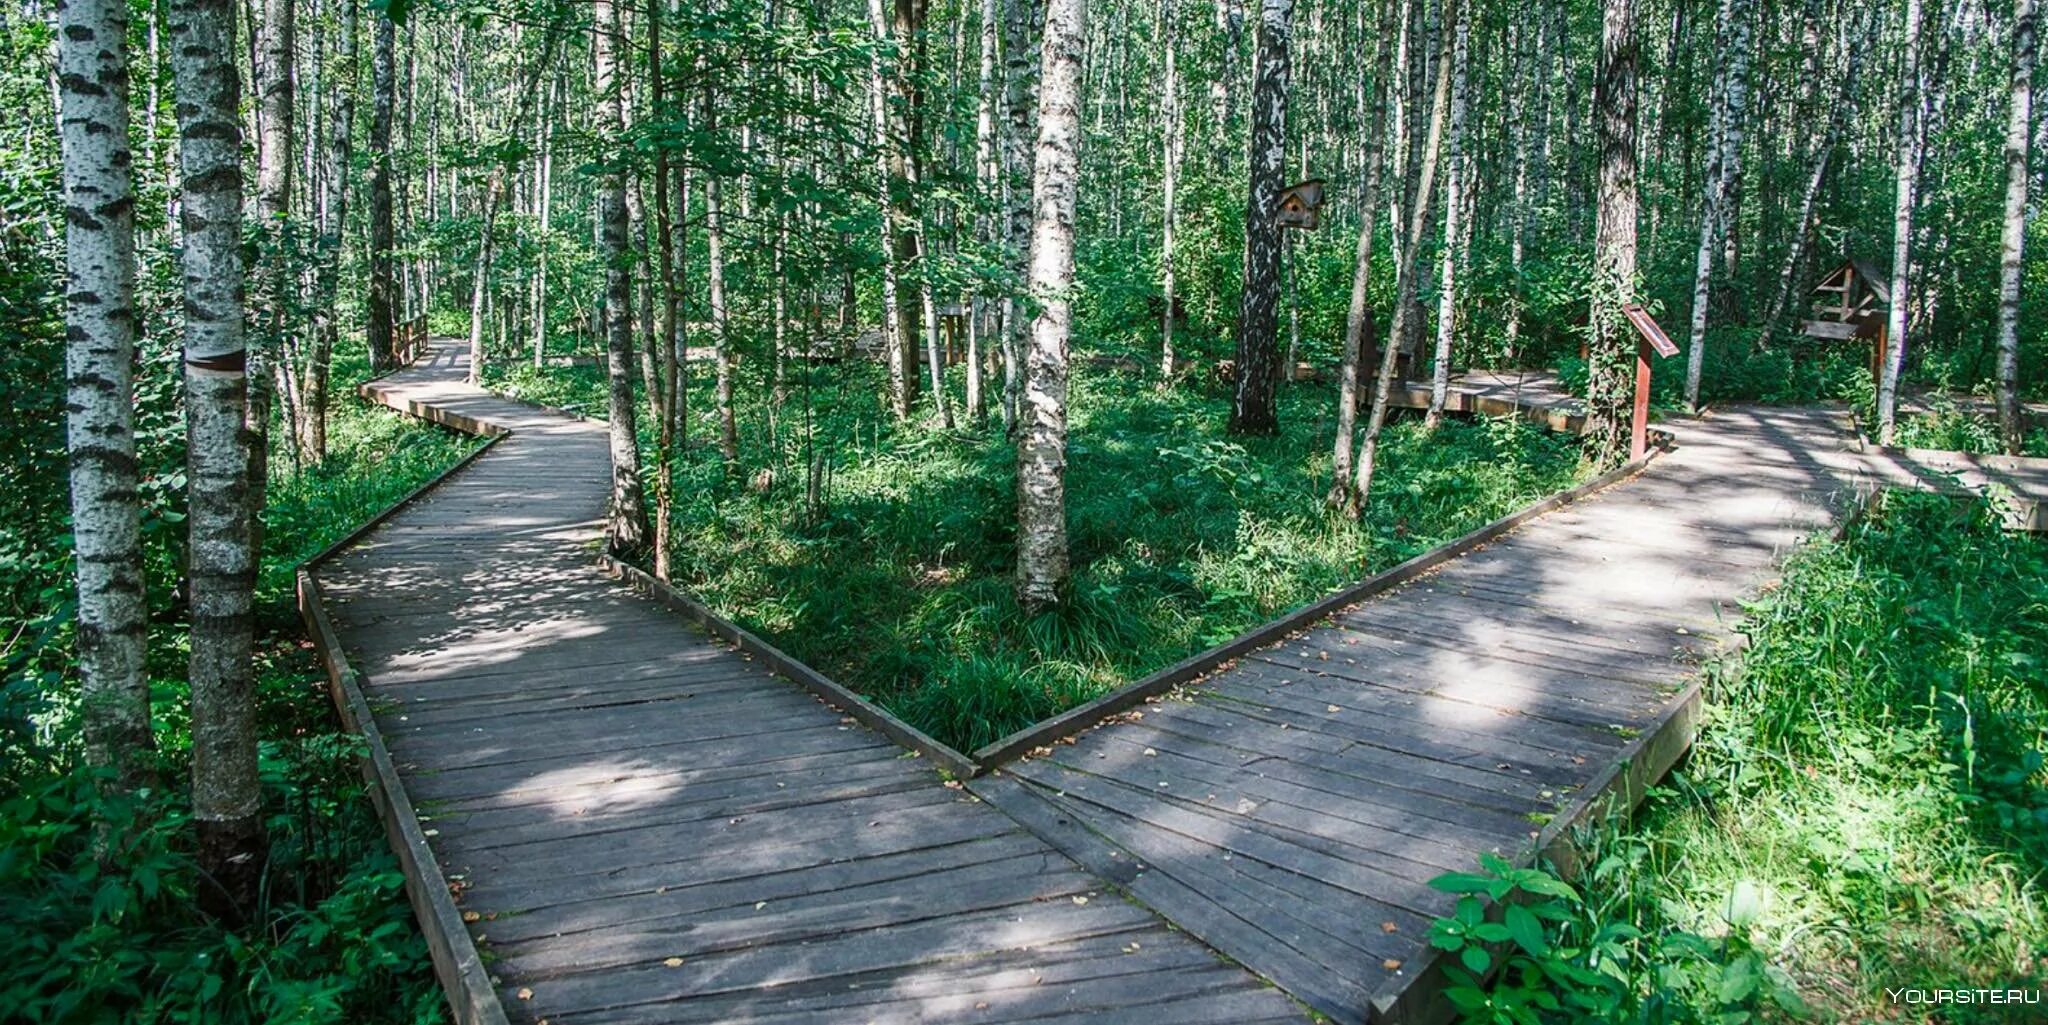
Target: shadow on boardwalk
x,y
642,825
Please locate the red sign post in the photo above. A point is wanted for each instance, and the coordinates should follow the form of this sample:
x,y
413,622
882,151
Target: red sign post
x,y
1649,338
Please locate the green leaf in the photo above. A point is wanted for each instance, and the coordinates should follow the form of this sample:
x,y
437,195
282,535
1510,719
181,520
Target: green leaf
x,y
1527,931
1476,959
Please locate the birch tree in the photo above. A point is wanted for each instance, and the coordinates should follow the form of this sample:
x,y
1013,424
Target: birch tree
x,y
99,351
2026,42
1909,146
625,520
1404,288
332,217
1731,32
226,796
1172,133
1454,209
1042,411
1255,409
1344,492
382,306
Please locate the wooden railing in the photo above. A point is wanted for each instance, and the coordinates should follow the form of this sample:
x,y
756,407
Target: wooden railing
x,y
408,339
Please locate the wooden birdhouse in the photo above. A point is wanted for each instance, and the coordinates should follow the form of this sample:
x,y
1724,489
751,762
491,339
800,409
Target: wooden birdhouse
x,y
1850,303
1301,205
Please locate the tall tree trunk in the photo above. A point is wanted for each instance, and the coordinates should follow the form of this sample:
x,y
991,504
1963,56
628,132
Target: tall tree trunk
x,y
274,70
99,381
1731,30
1358,318
895,325
1425,167
1256,409
1906,171
2026,42
714,249
1042,433
987,175
1609,386
1172,131
226,794
333,219
1020,80
665,259
383,299
626,520
1454,210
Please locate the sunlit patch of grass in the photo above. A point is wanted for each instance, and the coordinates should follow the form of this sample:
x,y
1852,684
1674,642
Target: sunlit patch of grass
x,y
1181,535
1873,766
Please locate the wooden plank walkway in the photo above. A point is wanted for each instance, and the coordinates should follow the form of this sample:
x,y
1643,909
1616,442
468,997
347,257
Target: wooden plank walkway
x,y
642,825
1291,807
1535,395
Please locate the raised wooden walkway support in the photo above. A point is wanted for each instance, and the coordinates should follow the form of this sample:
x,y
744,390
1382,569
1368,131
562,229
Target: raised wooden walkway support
x,y
611,817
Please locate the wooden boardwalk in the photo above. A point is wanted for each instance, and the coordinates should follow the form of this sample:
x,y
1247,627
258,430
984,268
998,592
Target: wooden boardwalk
x,y
642,825
1291,807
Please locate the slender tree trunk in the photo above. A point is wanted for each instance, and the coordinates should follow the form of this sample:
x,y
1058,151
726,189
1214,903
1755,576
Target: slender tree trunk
x,y
1256,409
226,795
1020,97
626,520
1853,45
274,71
100,323
1042,434
988,175
1610,388
714,249
1404,288
665,258
2026,43
1343,489
1172,131
1730,103
1906,169
895,327
383,298
1454,210
333,218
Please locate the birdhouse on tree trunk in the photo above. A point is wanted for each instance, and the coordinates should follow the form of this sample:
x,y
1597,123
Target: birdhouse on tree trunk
x,y
1301,205
1850,303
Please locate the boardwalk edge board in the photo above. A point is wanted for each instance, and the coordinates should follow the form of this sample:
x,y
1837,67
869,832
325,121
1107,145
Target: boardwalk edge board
x,y
1082,717
472,998
870,714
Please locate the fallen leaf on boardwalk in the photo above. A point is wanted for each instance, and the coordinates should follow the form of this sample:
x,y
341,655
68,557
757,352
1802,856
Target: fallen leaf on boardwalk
x,y
674,962
1389,927
470,916
981,1005
524,993
759,904
1323,655
1151,753
1332,708
953,784
1391,965
1078,899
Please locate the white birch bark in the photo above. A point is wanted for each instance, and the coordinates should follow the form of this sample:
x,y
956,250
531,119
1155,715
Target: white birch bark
x,y
1255,409
1454,211
626,526
2026,42
226,798
1042,433
1906,172
99,322
1343,493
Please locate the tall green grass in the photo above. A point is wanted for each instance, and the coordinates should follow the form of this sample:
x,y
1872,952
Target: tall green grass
x,y
1866,807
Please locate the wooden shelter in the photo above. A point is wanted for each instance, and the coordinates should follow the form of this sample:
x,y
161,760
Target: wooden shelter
x,y
1850,302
